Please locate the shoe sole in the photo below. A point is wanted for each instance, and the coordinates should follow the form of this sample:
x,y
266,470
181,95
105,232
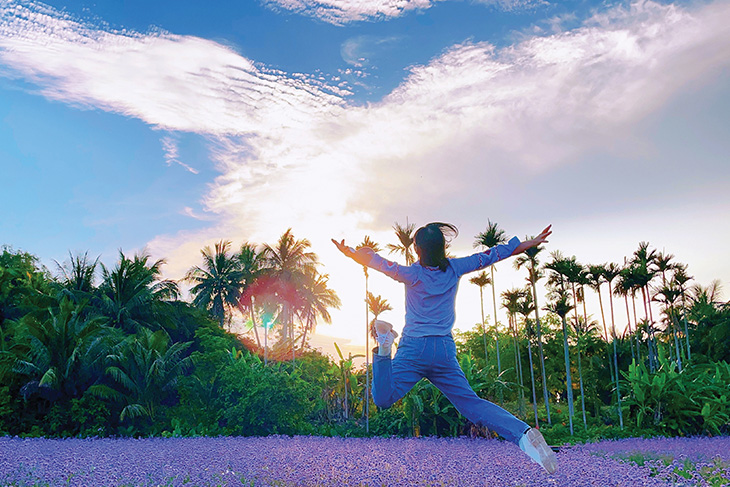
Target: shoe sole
x,y
383,327
548,459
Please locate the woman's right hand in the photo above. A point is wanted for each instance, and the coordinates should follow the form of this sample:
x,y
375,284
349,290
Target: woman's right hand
x,y
348,251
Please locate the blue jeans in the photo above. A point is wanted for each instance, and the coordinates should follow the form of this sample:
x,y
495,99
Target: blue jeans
x,y
434,357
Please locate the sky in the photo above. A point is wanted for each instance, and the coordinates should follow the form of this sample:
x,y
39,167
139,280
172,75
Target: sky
x,y
168,126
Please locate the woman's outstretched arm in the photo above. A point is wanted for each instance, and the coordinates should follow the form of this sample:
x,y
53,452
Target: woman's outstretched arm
x,y
362,256
540,239
367,257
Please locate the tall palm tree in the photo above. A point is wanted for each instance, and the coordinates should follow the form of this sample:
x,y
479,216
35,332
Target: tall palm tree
x,y
510,301
623,288
529,259
288,262
491,236
525,307
251,262
594,279
643,273
663,263
217,283
680,279
316,299
367,242
610,272
559,303
668,295
582,328
481,280
405,235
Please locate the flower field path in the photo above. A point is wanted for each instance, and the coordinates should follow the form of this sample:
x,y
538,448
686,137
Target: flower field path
x,y
315,461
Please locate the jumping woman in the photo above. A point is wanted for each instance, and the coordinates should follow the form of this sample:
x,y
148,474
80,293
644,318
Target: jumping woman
x,y
427,348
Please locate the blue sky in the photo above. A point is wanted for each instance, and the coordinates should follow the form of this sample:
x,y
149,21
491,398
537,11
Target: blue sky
x,y
170,125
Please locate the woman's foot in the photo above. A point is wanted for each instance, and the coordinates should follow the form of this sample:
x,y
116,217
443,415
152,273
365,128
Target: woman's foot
x,y
534,445
385,335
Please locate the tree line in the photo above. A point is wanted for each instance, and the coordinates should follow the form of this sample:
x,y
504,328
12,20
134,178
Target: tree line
x,y
92,350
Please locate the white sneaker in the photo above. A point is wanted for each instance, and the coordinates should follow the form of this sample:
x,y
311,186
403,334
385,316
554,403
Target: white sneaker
x,y
385,335
534,445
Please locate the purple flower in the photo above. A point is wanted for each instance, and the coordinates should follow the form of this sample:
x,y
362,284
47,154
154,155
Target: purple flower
x,y
314,461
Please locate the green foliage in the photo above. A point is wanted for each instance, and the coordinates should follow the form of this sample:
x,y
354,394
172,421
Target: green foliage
x,y
6,409
693,401
127,357
257,400
390,422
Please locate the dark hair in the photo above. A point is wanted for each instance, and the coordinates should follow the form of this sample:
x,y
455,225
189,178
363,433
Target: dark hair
x,y
430,242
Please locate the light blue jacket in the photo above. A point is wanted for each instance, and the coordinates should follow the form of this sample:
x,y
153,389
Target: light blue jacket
x,y
431,293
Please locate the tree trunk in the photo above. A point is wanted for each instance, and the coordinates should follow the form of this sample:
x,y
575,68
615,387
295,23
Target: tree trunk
x,y
542,356
615,359
484,327
496,334
568,380
532,380
253,322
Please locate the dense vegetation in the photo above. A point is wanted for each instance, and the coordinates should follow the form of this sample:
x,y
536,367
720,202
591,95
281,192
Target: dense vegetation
x,y
90,350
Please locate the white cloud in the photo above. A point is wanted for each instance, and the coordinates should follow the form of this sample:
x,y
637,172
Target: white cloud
x,y
340,12
455,141
343,11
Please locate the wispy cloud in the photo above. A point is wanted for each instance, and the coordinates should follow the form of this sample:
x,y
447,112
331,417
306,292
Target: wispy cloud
x,y
340,12
359,51
171,153
344,11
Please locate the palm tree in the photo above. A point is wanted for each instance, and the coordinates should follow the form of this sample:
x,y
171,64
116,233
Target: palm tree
x,y
64,349
77,275
250,266
525,307
680,279
316,298
663,263
560,304
582,328
610,272
623,288
142,367
405,235
481,280
367,242
217,283
643,273
669,295
510,301
377,305
133,295
490,237
594,279
529,259
288,263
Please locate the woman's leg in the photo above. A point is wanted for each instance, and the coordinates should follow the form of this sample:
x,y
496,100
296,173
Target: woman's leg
x,y
393,378
446,374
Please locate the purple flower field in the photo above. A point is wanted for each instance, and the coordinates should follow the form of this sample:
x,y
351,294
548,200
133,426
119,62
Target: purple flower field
x,y
314,461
